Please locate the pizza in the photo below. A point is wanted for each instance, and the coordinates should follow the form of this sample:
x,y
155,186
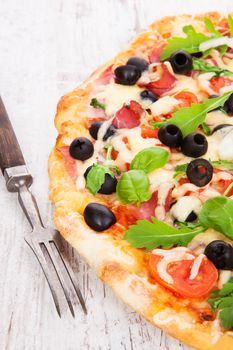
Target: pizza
x,y
141,176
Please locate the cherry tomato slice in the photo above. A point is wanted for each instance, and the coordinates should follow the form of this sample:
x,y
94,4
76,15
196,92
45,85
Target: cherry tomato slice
x,y
201,285
186,98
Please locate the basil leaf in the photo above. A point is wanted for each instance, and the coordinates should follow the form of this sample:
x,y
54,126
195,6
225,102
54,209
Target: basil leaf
x,y
217,213
150,159
133,187
96,177
189,118
149,235
190,43
230,22
206,67
96,104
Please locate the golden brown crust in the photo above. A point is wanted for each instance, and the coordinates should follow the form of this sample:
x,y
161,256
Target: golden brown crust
x,y
116,263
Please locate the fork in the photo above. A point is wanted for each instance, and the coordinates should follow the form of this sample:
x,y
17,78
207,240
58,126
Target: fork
x,y
43,241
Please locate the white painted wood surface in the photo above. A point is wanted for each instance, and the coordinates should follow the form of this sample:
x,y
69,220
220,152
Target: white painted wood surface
x,y
46,48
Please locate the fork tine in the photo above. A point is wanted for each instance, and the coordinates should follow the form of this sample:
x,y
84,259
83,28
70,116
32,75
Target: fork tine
x,y
72,278
63,276
47,272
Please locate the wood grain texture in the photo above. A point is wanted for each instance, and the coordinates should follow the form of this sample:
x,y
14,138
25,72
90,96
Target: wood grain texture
x,y
46,49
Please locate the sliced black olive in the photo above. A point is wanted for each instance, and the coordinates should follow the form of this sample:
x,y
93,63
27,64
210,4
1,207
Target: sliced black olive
x,y
98,217
94,129
197,54
221,254
148,95
138,62
199,172
191,217
228,106
170,135
109,185
181,62
127,75
194,145
81,148
110,132
221,126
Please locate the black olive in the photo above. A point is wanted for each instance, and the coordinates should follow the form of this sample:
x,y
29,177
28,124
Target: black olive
x,y
170,135
138,62
127,75
109,185
94,129
98,216
221,254
228,106
199,172
221,126
197,54
110,132
191,217
148,95
194,145
181,62
81,148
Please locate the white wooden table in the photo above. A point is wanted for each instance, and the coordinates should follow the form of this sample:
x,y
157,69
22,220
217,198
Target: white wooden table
x,y
46,48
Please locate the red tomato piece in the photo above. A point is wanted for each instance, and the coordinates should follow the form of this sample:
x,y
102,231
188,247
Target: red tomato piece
x,y
200,286
154,54
223,184
164,84
128,116
168,200
186,98
149,133
69,162
216,83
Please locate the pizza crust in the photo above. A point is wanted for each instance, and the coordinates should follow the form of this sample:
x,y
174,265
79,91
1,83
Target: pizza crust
x,y
117,263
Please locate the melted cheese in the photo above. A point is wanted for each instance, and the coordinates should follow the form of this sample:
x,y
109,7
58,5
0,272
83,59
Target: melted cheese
x,y
217,117
164,105
204,84
224,277
226,147
116,95
168,315
184,206
176,254
196,266
185,83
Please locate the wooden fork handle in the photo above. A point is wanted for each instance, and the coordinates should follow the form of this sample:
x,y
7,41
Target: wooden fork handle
x,y
10,152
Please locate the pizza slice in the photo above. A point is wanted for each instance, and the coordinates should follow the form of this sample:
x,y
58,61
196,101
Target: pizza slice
x,y
142,176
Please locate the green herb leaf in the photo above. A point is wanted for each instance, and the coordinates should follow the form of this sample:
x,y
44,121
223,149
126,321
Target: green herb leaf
x,y
189,118
206,67
230,22
226,164
210,26
217,213
96,104
222,300
150,159
190,43
96,177
149,235
133,187
206,129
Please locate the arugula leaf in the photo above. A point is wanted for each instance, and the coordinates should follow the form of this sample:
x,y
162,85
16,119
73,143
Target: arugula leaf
x,y
206,67
189,118
96,177
222,300
230,22
190,43
216,213
210,26
96,104
206,129
149,235
150,159
133,187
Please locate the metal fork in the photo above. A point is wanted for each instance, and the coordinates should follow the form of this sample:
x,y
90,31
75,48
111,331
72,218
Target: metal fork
x,y
42,241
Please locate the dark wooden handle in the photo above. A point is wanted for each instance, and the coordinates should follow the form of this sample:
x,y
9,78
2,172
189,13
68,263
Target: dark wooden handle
x,y
10,152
